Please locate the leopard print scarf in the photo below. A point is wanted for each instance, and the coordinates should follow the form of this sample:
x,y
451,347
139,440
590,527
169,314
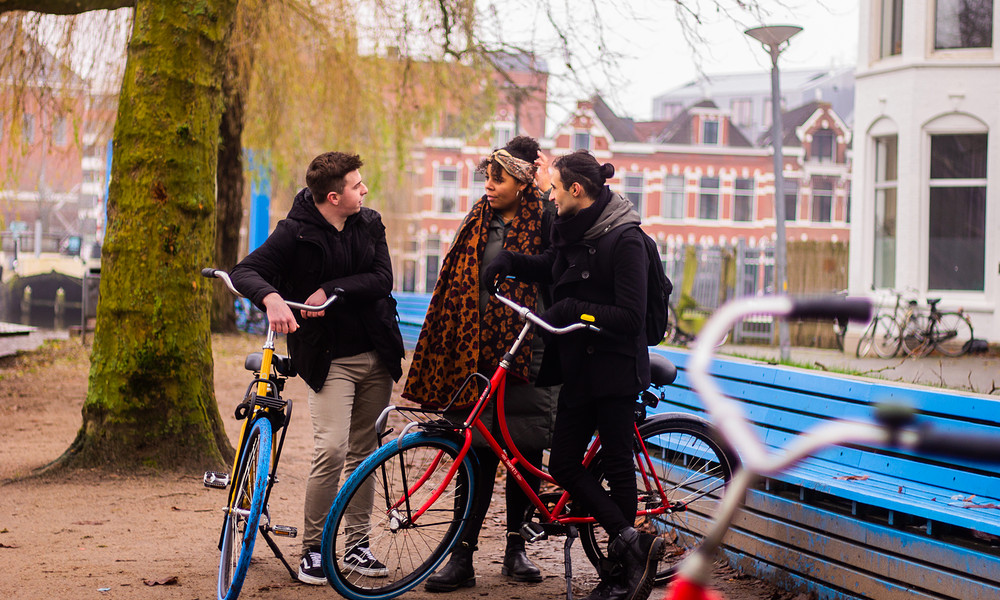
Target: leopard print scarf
x,y
455,338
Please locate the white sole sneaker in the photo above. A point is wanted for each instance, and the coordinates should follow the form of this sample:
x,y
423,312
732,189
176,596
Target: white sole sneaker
x,y
311,579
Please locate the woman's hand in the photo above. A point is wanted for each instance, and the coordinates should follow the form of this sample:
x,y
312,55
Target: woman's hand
x,y
543,179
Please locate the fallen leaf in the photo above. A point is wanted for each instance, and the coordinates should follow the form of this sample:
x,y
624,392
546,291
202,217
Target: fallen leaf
x,y
8,545
852,477
172,580
89,522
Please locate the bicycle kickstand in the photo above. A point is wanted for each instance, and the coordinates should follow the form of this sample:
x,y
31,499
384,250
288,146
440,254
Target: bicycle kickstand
x,y
571,534
277,552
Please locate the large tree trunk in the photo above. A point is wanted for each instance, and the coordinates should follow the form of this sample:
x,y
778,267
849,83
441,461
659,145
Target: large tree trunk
x,y
150,400
229,204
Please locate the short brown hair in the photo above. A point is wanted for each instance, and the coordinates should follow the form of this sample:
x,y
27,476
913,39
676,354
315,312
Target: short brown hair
x,y
327,171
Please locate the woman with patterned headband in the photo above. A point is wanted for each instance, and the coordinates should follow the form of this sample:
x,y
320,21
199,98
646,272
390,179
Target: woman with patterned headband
x,y
466,330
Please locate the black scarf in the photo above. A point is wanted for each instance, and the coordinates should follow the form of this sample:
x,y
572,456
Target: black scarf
x,y
570,230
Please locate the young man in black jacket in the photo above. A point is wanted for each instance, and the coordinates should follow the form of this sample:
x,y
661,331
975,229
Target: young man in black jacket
x,y
350,354
602,274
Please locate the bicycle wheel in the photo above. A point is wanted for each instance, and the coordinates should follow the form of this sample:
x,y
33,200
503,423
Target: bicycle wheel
x,y
885,337
409,550
866,340
915,338
239,530
693,466
952,334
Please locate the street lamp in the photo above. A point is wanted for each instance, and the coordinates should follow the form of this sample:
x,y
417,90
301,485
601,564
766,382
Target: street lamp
x,y
775,39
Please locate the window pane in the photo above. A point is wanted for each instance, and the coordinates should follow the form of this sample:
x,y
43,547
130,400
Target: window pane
x,y
963,24
822,202
957,238
581,141
885,238
708,202
822,146
885,159
710,132
446,189
892,28
673,197
409,275
791,200
958,156
634,190
743,200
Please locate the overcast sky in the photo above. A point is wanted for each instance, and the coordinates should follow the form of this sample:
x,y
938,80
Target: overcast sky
x,y
659,59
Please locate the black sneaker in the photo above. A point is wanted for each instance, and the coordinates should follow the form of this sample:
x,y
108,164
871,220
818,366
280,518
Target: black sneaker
x,y
311,568
361,560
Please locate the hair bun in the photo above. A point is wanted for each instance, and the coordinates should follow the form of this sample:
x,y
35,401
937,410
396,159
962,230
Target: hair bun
x,y
607,170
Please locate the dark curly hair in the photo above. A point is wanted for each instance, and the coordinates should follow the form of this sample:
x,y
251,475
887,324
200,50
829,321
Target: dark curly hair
x,y
581,167
522,146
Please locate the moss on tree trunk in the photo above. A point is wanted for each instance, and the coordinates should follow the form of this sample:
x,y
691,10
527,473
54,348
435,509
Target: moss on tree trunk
x,y
150,400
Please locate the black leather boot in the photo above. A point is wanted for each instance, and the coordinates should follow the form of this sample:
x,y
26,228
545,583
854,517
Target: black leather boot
x,y
640,554
612,585
458,573
516,564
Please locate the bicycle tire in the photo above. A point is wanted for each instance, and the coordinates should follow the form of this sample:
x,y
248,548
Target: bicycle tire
x,y
866,340
410,553
915,340
243,515
886,340
952,333
694,466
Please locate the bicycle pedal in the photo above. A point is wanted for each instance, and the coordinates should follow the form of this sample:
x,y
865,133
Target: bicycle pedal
x,y
532,532
216,480
285,531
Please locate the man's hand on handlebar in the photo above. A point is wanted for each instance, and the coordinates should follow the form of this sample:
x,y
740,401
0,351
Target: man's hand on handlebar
x,y
316,299
279,315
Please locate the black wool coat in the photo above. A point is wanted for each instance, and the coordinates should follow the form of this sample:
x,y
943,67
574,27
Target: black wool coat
x,y
305,253
605,278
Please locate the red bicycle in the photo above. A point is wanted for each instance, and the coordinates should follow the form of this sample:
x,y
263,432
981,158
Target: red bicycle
x,y
422,484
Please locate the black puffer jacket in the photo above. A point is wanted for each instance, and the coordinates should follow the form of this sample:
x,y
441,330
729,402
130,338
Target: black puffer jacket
x,y
304,253
603,276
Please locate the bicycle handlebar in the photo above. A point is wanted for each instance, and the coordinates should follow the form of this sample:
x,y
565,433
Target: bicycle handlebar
x,y
210,272
729,417
527,315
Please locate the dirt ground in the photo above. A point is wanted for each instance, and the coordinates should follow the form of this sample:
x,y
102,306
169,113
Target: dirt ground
x,y
103,535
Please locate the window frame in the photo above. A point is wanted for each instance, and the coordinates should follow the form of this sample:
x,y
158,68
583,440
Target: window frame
x,y
818,200
955,183
705,194
885,186
936,21
575,140
705,129
640,190
670,201
749,194
445,188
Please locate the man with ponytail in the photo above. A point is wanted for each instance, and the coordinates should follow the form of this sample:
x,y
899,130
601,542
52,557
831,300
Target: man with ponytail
x,y
604,276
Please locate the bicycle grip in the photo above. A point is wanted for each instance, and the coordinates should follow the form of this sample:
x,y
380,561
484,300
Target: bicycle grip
x,y
208,272
832,307
984,448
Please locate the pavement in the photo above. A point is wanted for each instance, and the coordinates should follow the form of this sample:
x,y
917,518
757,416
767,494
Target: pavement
x,y
978,373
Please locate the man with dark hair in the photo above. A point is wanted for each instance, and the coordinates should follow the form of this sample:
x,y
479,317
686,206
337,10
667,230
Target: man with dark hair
x,y
349,354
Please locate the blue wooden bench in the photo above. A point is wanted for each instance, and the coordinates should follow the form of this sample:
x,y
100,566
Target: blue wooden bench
x,y
860,522
411,308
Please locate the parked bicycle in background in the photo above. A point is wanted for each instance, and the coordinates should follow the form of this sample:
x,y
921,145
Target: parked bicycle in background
x,y
909,330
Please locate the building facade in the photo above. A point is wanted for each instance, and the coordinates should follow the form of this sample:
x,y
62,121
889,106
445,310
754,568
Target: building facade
x,y
927,214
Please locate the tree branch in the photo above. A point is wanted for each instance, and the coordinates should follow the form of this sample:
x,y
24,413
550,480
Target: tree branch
x,y
63,7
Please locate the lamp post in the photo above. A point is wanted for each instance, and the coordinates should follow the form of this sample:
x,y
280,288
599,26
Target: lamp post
x,y
775,39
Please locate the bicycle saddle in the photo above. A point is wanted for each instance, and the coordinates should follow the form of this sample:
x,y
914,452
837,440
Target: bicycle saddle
x,y
932,302
661,370
282,364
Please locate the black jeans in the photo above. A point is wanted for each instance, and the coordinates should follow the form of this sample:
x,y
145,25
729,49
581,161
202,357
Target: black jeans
x,y
517,502
613,419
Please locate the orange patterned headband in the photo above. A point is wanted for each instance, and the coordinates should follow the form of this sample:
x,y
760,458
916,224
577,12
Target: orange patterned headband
x,y
521,170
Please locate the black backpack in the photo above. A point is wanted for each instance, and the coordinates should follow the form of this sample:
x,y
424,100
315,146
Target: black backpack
x,y
658,288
